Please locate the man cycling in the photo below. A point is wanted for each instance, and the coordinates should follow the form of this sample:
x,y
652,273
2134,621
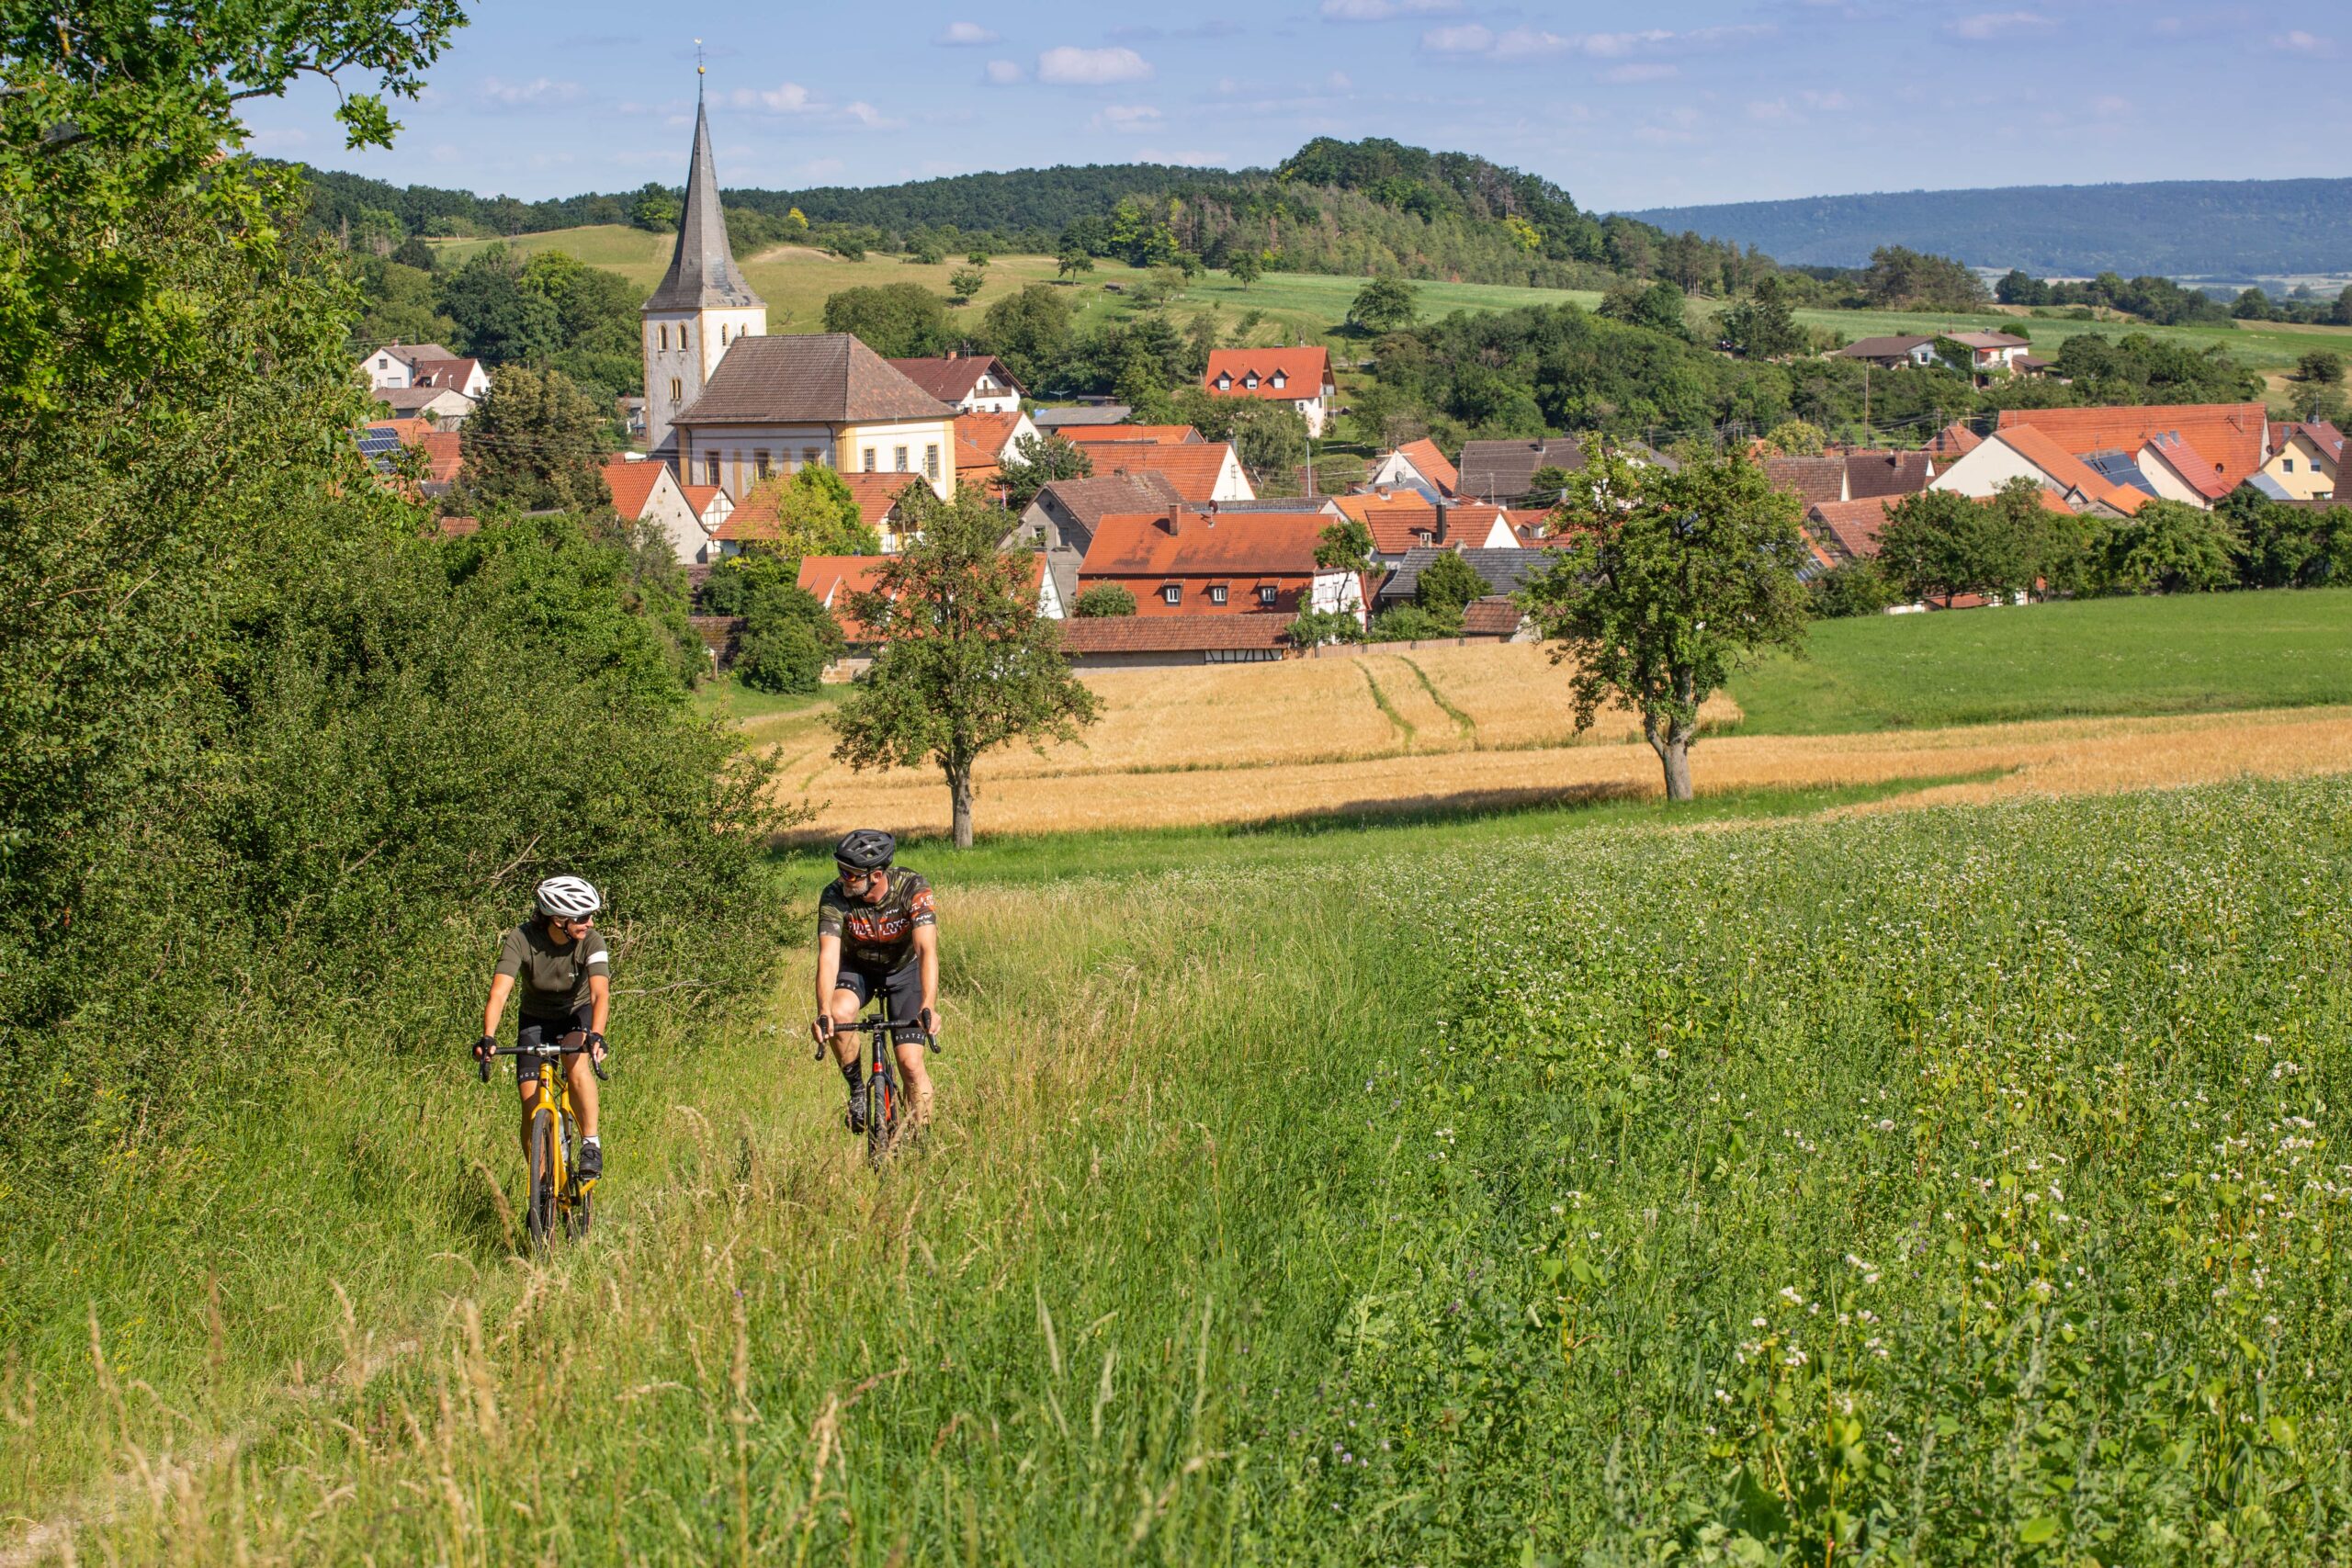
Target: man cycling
x,y
878,934
558,961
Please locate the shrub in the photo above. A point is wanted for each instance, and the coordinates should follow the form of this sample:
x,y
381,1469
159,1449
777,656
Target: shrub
x,y
1104,600
1409,623
1856,588
2169,547
1446,586
1313,628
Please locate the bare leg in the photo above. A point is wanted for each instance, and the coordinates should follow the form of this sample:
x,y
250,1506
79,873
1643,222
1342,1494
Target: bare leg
x,y
530,1103
582,1078
917,1073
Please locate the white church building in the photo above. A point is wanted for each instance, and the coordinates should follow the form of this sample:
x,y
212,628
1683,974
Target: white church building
x,y
728,405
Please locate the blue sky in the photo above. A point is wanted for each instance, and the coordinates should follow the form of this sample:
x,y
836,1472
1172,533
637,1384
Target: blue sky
x,y
1626,107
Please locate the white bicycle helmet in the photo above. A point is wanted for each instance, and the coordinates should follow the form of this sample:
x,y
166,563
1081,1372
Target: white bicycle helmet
x,y
567,897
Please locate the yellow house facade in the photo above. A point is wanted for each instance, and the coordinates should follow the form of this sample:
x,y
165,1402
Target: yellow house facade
x,y
2306,464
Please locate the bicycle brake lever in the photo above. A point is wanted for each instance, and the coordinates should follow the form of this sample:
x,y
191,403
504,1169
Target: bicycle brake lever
x,y
484,1065
596,1067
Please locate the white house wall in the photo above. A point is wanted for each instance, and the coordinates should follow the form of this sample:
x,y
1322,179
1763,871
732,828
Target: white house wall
x,y
1983,471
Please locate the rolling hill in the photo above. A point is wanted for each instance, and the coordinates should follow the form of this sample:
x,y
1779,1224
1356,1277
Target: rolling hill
x,y
2227,230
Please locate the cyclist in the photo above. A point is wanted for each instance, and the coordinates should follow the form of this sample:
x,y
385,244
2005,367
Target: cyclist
x,y
559,960
878,934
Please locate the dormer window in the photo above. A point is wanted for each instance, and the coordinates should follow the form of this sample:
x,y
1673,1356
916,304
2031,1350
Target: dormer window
x,y
1266,594
1216,593
1224,383
1251,380
1281,380
1171,594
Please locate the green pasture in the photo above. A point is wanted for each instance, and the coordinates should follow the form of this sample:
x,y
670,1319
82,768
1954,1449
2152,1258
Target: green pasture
x,y
1950,1186
2101,657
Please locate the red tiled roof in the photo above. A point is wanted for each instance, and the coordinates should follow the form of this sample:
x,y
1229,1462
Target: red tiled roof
x,y
834,579
699,497
443,456
2201,476
451,373
1490,616
1810,479
1156,435
1171,633
952,377
1955,440
1193,469
984,434
2044,453
1397,523
632,484
1425,457
456,527
1852,526
1304,371
1886,473
2229,435
404,431
1143,544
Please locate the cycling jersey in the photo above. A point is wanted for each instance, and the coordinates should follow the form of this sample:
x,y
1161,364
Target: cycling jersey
x,y
877,937
551,977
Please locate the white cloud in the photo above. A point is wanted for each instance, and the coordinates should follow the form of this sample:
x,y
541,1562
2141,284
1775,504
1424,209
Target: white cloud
x,y
1129,118
1827,103
1986,25
523,95
1383,10
1771,111
1071,66
965,35
1340,81
2297,41
792,98
1001,73
1525,44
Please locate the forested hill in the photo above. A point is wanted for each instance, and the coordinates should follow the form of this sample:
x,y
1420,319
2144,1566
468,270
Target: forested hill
x,y
1362,208
2230,229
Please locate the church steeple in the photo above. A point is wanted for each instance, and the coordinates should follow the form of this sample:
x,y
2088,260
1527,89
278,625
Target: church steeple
x,y
702,269
703,306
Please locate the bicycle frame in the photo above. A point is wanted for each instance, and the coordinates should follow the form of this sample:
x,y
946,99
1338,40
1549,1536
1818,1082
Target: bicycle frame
x,y
883,1101
551,1110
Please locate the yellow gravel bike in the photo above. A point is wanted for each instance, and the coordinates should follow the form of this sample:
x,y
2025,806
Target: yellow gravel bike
x,y
558,1202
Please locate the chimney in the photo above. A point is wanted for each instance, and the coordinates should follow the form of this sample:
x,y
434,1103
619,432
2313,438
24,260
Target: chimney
x,y
1173,522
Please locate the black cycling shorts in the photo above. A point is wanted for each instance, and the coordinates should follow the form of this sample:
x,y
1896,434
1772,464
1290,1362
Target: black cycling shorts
x,y
534,1032
902,985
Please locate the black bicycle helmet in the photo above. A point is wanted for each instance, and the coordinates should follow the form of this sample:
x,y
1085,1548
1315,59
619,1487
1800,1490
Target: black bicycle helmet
x,y
864,849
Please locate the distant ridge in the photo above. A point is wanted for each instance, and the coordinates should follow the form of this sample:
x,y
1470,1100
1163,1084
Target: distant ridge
x,y
2230,230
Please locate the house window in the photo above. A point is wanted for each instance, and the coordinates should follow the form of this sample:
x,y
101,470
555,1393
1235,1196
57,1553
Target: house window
x,y
663,333
2290,465
869,459
1225,383
898,459
931,460
1281,380
1266,593
710,470
759,461
1171,594
1216,593
1250,380
810,454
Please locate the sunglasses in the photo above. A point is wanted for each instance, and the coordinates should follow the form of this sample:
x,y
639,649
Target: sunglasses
x,y
860,878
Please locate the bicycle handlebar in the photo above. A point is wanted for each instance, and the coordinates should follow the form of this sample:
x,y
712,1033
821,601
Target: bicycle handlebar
x,y
876,1026
543,1051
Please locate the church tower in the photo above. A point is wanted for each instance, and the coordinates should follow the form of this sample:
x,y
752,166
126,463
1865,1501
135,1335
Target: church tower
x,y
702,306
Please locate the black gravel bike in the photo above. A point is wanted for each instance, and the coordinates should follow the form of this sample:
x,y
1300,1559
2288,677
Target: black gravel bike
x,y
881,1102
559,1201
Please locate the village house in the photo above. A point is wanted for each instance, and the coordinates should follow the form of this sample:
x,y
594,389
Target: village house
x,y
1987,354
1180,561
647,491
2017,451
1116,642
973,383
1504,571
1417,465
836,580
399,364
2305,459
985,443
1855,475
1201,471
1299,377
776,404
757,518
2195,453
1065,513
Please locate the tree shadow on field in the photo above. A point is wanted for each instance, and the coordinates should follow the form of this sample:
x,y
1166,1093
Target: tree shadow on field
x,y
482,1211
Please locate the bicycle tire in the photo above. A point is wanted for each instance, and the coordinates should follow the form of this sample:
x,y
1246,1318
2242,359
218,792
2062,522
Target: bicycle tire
x,y
881,1117
576,1199
539,1219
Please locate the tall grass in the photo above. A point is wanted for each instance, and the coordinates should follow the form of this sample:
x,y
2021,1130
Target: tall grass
x,y
1622,1196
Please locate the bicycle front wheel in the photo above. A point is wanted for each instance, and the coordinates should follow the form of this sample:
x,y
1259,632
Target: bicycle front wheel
x,y
540,1219
576,1199
881,1117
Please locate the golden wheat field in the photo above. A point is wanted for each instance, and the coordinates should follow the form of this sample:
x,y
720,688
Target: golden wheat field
x,y
1485,726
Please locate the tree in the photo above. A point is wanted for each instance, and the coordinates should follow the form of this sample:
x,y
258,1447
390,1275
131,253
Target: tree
x,y
1268,437
787,635
499,319
1029,332
1243,266
2167,546
2252,305
1762,326
897,320
1657,307
1548,484
963,663
1383,305
2323,365
1071,261
414,252
1037,461
1796,438
1851,588
1899,278
1670,581
815,514
1446,586
1345,545
654,208
2310,400
1939,544
535,444
1409,623
1319,629
1102,601
962,282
